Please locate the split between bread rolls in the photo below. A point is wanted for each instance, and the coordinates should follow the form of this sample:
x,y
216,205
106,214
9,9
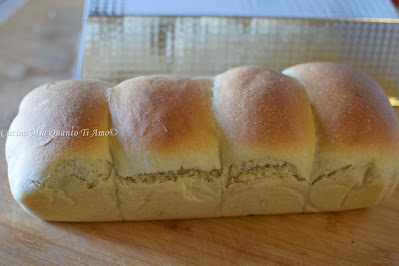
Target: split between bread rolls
x,y
316,137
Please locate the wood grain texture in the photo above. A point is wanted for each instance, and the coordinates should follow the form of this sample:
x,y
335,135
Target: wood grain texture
x,y
37,48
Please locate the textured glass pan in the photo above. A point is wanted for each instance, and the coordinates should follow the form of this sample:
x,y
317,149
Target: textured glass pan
x,y
118,48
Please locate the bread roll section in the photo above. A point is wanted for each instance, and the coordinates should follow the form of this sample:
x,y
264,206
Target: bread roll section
x,y
167,149
317,137
267,141
356,163
63,178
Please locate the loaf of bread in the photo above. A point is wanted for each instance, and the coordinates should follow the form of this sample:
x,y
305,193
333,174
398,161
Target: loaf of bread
x,y
316,137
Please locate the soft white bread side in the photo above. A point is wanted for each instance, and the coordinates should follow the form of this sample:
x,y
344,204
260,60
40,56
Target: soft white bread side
x,y
358,137
267,141
319,137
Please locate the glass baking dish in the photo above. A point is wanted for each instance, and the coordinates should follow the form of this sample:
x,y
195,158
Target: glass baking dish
x,y
116,48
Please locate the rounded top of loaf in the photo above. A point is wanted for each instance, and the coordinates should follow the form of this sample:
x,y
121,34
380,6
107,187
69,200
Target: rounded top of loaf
x,y
61,106
163,112
164,123
350,107
260,107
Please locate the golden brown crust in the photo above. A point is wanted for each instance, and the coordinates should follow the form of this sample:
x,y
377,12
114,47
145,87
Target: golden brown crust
x,y
63,106
262,108
163,113
352,109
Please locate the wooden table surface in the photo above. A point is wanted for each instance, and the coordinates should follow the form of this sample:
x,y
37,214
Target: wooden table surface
x,y
38,45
